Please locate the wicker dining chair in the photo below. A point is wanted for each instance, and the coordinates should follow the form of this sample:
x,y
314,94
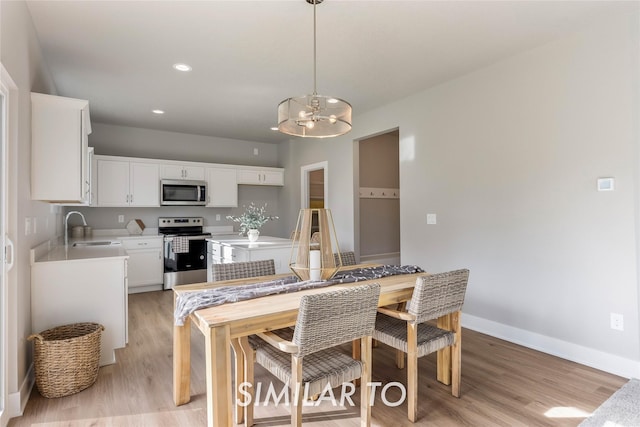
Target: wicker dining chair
x,y
348,258
242,270
309,361
434,296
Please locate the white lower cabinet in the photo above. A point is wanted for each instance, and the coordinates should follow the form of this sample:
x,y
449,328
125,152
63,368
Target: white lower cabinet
x,y
280,256
84,290
146,266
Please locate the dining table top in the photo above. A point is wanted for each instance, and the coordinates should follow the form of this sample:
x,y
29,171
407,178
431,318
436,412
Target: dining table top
x,y
280,310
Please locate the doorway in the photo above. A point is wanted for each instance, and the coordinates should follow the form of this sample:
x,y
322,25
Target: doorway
x,y
379,198
314,188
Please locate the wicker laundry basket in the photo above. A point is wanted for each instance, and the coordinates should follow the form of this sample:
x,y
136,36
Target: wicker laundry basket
x,y
67,358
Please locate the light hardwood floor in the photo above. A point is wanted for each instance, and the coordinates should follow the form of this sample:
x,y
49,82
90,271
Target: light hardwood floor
x,y
502,385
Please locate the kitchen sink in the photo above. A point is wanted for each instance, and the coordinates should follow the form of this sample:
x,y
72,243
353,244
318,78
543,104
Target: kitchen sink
x,y
97,243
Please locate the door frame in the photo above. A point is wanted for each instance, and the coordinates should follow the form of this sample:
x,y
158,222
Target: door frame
x,y
8,91
305,182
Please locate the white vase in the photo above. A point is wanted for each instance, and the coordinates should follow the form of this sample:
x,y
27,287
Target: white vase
x,y
253,235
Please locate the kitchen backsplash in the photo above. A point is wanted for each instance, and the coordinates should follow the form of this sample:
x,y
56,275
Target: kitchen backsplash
x,y
107,218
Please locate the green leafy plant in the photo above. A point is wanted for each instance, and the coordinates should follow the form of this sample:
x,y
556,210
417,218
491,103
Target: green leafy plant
x,y
253,218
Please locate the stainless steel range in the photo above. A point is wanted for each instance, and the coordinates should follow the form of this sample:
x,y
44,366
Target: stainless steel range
x,y
185,250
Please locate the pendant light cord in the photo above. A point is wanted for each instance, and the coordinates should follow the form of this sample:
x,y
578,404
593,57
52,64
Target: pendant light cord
x,y
315,92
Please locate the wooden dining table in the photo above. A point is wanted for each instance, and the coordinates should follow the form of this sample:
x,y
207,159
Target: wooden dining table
x,y
224,324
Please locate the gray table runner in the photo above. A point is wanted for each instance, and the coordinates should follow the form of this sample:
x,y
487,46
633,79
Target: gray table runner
x,y
188,302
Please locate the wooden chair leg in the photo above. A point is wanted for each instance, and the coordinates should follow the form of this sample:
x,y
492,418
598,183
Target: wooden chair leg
x,y
249,358
239,379
412,371
297,391
365,390
444,355
400,359
456,355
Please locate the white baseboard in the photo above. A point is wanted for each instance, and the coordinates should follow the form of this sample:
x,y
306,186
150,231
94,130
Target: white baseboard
x,y
597,359
18,400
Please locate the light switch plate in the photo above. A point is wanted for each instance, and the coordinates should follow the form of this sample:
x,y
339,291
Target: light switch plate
x,y
431,218
27,226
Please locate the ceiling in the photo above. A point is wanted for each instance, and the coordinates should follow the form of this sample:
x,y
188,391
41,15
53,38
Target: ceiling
x,y
247,56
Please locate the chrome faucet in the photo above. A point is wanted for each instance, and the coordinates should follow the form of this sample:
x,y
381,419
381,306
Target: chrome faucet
x,y
66,225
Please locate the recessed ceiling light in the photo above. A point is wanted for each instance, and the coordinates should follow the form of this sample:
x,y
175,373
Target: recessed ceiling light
x,y
157,111
182,67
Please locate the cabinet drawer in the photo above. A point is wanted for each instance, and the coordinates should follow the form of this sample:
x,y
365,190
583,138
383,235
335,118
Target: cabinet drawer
x,y
141,243
215,249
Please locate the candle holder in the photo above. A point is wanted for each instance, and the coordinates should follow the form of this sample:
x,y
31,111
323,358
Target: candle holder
x,y
314,245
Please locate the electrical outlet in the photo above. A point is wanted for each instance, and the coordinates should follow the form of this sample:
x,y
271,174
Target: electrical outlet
x,y
217,217
431,218
617,322
27,226
120,218
256,152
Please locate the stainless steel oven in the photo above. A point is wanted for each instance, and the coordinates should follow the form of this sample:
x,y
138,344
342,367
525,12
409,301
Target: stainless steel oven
x,y
185,250
183,192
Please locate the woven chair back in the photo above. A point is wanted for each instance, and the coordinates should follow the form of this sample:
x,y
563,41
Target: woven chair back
x,y
332,318
348,258
438,294
242,270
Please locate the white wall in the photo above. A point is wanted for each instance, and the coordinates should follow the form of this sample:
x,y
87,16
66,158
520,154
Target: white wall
x,y
137,142
21,55
508,158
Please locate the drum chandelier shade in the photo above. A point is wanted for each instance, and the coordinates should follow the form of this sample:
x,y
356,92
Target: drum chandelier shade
x,y
313,252
314,116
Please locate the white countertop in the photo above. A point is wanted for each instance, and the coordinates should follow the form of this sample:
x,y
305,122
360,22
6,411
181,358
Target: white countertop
x,y
70,253
264,242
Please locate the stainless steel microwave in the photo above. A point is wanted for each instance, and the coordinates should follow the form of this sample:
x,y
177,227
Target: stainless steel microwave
x,y
175,192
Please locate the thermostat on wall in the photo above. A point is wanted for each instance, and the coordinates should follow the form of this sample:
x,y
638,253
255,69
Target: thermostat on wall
x,y
606,184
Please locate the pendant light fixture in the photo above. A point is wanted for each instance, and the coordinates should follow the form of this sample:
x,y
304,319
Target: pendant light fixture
x,y
314,116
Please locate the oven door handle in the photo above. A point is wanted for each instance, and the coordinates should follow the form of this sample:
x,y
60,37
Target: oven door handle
x,y
170,239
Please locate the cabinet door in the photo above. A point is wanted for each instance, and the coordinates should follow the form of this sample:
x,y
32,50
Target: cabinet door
x,y
145,267
248,176
171,171
222,185
195,173
144,185
178,171
113,183
59,146
260,177
272,178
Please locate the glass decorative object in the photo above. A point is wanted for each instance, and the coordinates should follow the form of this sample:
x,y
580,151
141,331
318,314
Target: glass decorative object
x,y
315,244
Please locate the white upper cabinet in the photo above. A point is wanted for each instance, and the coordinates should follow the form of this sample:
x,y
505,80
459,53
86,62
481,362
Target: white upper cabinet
x,y
261,176
60,157
126,183
181,171
222,185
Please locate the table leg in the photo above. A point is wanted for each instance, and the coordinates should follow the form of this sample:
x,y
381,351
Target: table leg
x,y
218,363
444,355
239,366
182,363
